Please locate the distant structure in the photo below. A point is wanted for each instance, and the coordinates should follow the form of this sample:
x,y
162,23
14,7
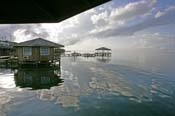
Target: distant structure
x,y
37,51
75,54
67,53
88,55
6,48
103,51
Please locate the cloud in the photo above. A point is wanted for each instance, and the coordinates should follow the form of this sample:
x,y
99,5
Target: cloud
x,y
165,11
126,12
121,27
121,17
132,10
168,17
29,31
14,32
99,17
22,32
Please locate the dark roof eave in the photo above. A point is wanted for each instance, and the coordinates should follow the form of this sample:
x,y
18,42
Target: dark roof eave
x,y
103,48
45,11
38,42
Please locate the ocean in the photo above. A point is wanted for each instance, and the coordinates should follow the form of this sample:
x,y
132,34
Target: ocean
x,y
130,83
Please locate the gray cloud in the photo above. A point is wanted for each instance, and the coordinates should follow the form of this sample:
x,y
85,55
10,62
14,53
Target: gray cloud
x,y
132,9
31,30
168,18
7,31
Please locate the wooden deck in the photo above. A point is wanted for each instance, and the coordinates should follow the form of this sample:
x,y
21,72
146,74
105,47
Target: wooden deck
x,y
8,62
4,57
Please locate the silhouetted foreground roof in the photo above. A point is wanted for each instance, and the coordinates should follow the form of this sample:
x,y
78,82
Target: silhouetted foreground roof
x,y
39,42
43,11
103,48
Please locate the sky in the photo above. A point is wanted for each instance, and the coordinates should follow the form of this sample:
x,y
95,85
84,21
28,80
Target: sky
x,y
118,24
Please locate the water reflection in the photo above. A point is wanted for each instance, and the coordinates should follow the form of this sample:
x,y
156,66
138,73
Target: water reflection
x,y
88,85
66,95
103,59
38,78
6,79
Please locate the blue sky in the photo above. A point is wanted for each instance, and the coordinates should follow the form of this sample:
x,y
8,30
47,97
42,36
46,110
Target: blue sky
x,y
119,24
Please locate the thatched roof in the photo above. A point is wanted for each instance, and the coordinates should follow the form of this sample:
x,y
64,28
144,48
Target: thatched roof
x,y
39,42
102,48
43,11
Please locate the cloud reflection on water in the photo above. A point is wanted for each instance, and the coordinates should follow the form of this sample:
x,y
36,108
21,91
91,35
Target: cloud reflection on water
x,y
105,82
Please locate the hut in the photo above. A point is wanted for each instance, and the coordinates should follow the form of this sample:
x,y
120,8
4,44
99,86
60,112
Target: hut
x,y
103,51
36,51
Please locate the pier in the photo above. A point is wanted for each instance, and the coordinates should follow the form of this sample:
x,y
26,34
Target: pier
x,y
99,52
8,62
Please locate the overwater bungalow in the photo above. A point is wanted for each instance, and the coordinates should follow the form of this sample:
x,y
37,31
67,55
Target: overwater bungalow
x,y
37,51
103,51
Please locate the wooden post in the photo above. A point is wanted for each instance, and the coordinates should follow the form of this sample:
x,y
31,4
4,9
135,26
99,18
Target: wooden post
x,y
59,62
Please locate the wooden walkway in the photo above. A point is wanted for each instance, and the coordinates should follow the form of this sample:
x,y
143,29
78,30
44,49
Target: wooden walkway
x,y
8,62
4,57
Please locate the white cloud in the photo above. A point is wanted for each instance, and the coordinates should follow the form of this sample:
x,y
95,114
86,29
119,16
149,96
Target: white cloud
x,y
60,27
20,35
165,11
132,10
158,14
100,16
121,16
168,17
91,11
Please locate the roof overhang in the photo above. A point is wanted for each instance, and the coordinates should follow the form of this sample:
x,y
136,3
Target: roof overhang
x,y
103,48
43,11
38,42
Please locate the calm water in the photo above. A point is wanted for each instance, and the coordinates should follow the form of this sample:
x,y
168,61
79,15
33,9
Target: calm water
x,y
128,84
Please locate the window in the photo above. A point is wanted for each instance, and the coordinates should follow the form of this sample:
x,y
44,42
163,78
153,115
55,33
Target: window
x,y
27,51
44,51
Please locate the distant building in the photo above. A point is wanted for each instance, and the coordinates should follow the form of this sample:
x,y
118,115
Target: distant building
x,y
37,51
6,48
75,54
103,51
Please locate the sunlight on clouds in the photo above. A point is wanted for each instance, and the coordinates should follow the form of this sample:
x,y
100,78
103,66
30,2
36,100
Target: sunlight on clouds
x,y
161,13
121,16
20,36
60,27
95,18
91,11
132,9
